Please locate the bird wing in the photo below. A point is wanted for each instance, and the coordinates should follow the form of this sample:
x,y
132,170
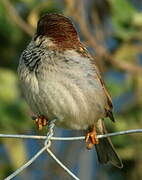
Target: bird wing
x,y
82,50
109,105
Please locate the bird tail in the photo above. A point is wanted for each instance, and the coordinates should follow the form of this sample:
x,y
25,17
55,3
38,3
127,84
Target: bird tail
x,y
105,149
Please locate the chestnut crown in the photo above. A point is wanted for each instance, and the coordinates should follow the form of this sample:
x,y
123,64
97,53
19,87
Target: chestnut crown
x,y
59,28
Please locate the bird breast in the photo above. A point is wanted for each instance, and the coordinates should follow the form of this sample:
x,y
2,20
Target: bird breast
x,y
64,86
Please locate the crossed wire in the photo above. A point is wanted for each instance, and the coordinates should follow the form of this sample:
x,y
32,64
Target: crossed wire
x,y
47,144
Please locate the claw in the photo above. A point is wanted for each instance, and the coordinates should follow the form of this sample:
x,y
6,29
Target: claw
x,y
41,121
91,138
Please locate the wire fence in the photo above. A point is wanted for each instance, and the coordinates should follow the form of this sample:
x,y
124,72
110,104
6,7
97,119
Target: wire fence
x,y
47,143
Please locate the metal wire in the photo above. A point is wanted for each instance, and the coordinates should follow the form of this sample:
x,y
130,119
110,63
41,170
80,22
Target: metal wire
x,y
61,164
133,131
47,144
27,164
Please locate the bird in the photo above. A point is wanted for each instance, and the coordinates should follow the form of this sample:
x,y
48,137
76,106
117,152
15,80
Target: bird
x,y
60,80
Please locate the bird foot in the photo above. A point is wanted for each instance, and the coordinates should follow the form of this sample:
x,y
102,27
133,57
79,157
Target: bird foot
x,y
91,139
41,121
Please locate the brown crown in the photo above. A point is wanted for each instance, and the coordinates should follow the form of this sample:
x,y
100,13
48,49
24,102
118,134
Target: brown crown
x,y
59,28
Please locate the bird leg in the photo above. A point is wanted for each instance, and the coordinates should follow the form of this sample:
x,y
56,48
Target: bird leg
x,y
91,138
41,121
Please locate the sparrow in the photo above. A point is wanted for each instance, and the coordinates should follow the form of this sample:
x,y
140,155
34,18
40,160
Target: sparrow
x,y
60,79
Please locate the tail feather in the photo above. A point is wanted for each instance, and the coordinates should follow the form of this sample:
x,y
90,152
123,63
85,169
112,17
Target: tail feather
x,y
105,149
106,153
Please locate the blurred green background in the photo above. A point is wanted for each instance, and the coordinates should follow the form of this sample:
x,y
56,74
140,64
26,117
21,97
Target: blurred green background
x,y
112,32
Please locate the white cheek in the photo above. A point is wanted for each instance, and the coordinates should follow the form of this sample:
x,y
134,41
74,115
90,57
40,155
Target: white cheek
x,y
45,43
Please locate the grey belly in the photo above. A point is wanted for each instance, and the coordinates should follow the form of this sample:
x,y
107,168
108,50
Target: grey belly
x,y
75,104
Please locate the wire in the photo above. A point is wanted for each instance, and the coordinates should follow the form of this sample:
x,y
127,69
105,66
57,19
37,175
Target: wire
x,y
47,143
133,131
